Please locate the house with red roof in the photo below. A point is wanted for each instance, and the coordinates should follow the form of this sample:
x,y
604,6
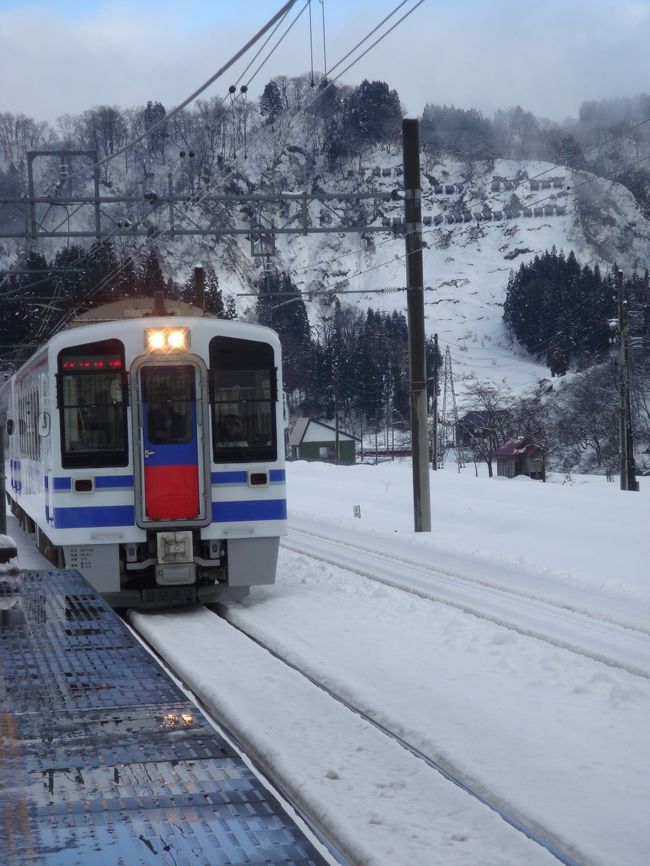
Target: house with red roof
x,y
521,457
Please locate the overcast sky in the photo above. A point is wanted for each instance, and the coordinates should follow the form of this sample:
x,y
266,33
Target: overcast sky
x,y
548,56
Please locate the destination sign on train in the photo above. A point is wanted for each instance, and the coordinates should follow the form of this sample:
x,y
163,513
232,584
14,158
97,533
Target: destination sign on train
x,y
91,362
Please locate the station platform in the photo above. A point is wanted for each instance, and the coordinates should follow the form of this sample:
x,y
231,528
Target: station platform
x,y
103,760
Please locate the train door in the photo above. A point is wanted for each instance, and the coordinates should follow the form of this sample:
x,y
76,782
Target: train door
x,y
171,443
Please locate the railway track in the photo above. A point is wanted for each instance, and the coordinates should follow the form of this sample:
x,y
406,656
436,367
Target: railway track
x,y
289,669
289,789
540,836
596,634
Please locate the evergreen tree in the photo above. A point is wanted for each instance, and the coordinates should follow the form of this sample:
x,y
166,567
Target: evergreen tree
x,y
328,101
433,361
335,144
153,114
280,306
150,277
126,281
372,114
271,105
559,311
372,368
214,303
71,273
102,272
26,294
213,298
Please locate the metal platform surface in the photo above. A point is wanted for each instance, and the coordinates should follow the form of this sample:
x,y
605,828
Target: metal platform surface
x,y
103,760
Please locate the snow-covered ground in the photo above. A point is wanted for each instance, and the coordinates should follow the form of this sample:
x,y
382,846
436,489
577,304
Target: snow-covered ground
x,y
555,737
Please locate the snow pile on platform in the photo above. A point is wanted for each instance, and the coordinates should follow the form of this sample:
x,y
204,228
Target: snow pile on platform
x,y
8,551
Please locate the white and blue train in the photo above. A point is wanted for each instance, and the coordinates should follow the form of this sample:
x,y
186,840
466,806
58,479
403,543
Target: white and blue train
x,y
148,453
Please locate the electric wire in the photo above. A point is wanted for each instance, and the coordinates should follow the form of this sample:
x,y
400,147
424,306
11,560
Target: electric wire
x,y
280,17
365,39
276,46
390,239
311,47
400,5
159,124
118,270
322,3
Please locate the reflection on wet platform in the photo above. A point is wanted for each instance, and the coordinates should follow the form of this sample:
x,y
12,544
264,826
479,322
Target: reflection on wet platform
x,y
103,759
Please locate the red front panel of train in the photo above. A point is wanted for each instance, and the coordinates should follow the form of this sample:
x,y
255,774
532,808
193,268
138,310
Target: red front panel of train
x,y
171,470
171,492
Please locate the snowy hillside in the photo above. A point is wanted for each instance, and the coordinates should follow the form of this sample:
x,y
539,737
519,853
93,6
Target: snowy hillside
x,y
533,206
481,220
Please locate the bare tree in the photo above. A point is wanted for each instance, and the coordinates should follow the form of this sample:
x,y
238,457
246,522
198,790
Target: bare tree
x,y
494,408
103,128
586,418
18,134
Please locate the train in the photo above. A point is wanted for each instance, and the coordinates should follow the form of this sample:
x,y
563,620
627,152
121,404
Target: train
x,y
144,447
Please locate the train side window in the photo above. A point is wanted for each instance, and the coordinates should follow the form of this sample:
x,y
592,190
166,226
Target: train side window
x,y
92,403
243,395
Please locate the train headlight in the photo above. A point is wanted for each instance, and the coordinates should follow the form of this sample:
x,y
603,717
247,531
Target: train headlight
x,y
177,339
155,340
167,339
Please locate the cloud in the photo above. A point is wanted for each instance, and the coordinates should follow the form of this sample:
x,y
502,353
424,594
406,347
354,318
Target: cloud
x,y
549,57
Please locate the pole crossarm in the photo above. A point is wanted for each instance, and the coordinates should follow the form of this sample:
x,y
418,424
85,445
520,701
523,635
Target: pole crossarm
x,y
175,214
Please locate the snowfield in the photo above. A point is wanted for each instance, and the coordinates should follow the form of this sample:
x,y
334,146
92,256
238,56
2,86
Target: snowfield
x,y
554,737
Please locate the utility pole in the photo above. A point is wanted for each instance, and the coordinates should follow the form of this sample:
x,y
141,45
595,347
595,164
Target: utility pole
x,y
627,467
336,413
3,498
415,304
434,431
199,287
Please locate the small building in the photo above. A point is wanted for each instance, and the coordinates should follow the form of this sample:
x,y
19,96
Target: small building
x,y
310,439
478,426
521,457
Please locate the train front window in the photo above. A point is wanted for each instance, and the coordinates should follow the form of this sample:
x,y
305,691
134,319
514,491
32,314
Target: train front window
x,y
92,402
243,400
169,398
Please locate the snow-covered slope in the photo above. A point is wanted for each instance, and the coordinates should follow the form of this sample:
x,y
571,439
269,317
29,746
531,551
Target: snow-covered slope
x,y
532,207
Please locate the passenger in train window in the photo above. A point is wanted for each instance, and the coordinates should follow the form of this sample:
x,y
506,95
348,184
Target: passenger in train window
x,y
230,433
169,425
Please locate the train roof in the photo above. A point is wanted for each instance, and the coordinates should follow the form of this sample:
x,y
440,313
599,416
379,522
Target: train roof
x,y
136,308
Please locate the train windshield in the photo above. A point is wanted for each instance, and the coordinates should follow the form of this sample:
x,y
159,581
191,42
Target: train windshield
x,y
243,397
93,406
168,394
